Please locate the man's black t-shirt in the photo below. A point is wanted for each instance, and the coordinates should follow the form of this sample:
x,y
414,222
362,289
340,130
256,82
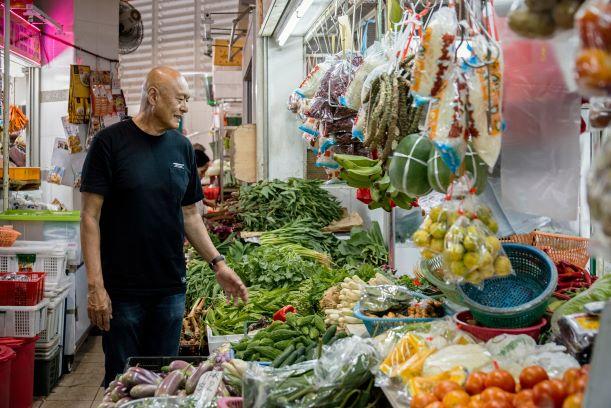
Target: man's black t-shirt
x,y
145,181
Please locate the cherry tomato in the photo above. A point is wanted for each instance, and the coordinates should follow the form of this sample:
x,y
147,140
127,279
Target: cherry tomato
x,y
475,383
495,394
498,404
422,399
523,397
444,387
435,404
550,393
502,379
577,386
571,375
456,398
531,376
573,401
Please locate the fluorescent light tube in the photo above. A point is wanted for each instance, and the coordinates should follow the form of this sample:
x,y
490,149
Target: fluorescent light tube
x,y
290,25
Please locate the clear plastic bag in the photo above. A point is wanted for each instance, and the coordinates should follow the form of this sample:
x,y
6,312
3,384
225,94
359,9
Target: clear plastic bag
x,y
446,123
294,102
310,125
435,58
340,125
600,112
593,62
373,75
599,199
360,123
374,58
311,83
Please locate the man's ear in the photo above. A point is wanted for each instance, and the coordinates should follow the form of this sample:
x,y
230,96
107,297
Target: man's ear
x,y
153,95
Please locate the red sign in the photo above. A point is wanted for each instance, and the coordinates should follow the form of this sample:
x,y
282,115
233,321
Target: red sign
x,y
25,37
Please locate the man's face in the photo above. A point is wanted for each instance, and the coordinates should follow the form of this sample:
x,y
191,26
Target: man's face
x,y
172,102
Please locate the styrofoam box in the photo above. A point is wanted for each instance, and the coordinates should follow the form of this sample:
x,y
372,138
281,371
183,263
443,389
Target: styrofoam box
x,y
23,321
214,342
50,259
55,313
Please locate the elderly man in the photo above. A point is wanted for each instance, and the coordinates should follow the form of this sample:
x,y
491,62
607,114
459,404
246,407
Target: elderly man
x,y
140,185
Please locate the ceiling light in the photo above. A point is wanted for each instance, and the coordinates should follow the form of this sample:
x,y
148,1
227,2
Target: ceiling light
x,y
297,15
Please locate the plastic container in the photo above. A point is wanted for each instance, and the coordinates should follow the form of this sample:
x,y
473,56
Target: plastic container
x,y
7,356
28,256
230,402
23,321
49,226
378,325
155,363
55,313
22,293
486,333
22,371
214,342
518,300
47,372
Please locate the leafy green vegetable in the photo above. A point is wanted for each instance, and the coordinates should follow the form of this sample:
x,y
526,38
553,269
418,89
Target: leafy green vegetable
x,y
271,204
363,247
273,267
304,232
600,290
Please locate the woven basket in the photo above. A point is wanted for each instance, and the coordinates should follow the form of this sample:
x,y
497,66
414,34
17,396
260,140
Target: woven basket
x,y
8,236
563,247
526,239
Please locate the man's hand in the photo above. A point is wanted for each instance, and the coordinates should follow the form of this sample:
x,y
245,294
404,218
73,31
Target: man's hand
x,y
99,308
231,283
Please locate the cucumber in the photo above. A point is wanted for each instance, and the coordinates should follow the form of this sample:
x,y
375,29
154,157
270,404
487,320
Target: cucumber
x,y
301,359
286,353
294,356
329,334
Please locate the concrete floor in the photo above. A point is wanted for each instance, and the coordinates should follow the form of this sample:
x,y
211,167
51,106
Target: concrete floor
x,y
80,388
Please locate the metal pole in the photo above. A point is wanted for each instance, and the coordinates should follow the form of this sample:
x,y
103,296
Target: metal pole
x,y
5,102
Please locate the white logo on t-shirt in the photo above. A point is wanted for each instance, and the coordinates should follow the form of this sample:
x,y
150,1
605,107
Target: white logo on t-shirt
x,y
178,165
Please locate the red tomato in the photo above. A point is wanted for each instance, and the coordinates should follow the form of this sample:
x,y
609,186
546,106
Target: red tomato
x,y
531,376
435,404
455,399
571,375
495,394
577,386
422,399
550,393
573,401
475,383
524,397
502,379
444,387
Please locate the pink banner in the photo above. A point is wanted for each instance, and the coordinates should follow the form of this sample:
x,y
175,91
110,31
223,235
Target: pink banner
x,y
25,37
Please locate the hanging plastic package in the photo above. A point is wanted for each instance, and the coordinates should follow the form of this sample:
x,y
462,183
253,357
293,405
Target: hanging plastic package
x,y
310,125
340,78
599,199
360,123
593,62
311,142
310,84
484,94
600,112
374,58
540,162
320,107
435,57
446,124
440,176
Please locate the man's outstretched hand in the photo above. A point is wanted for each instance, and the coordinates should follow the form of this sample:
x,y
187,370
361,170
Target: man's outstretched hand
x,y
231,283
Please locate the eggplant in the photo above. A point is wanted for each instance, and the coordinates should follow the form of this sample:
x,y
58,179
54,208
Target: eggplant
x,y
123,401
118,393
143,390
107,398
181,394
138,375
203,367
107,405
170,384
178,365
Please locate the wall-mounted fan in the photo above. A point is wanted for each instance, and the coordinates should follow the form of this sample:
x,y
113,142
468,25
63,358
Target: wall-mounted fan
x,y
131,30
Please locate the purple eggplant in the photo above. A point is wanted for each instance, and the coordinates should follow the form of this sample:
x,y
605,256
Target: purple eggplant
x,y
123,401
205,366
170,384
178,365
118,393
107,405
143,390
181,394
138,375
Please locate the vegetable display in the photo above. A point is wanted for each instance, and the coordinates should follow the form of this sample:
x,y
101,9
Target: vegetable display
x,y
269,205
363,247
302,232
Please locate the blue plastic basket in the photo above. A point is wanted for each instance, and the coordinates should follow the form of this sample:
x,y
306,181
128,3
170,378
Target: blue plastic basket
x,y
378,325
517,300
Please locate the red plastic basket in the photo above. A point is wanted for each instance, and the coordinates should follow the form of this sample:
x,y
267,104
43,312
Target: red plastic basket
x,y
486,333
230,402
27,292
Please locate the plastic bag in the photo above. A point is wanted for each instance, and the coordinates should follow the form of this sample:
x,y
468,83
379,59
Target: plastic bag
x,y
310,125
374,58
312,81
446,123
340,125
311,142
578,333
600,112
435,57
599,199
373,75
360,123
471,357
593,62
407,358
294,102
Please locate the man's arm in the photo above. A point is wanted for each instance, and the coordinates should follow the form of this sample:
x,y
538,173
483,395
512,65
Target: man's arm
x,y
198,237
99,307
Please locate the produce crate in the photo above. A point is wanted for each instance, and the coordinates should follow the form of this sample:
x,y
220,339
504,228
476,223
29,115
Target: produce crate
x,y
27,256
22,292
23,321
155,363
55,316
46,371
214,342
